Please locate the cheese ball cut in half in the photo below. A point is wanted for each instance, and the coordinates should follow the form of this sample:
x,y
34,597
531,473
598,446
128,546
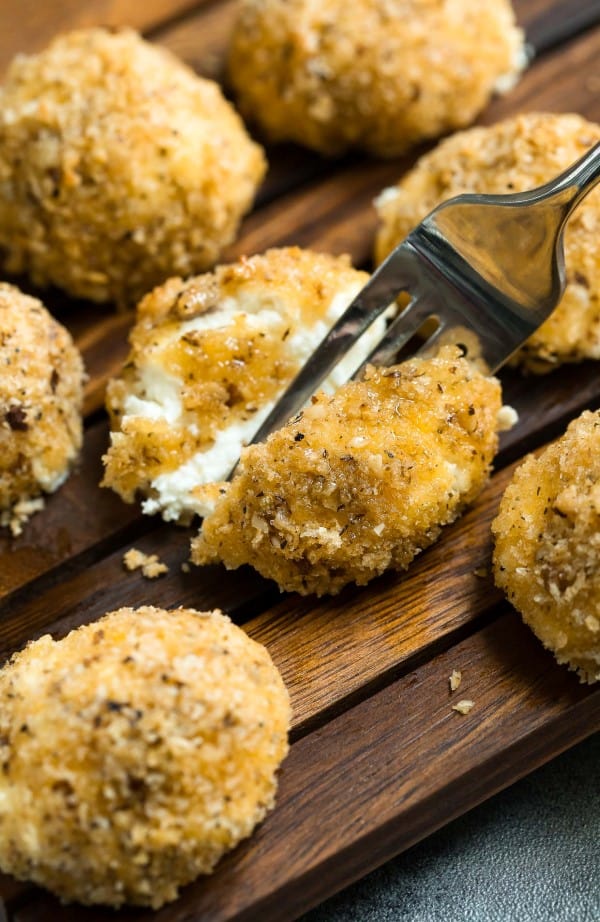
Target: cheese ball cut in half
x,y
362,481
371,74
547,546
209,358
118,166
135,752
41,394
514,156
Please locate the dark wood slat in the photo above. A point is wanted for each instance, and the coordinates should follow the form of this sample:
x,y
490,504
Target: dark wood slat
x,y
548,28
385,774
201,38
565,80
30,25
106,585
545,404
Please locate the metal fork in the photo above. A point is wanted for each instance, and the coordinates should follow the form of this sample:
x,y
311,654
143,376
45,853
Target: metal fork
x,y
486,269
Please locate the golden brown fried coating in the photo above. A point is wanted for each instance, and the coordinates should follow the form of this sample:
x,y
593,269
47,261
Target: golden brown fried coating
x,y
547,545
118,166
372,74
41,393
135,752
513,156
361,481
209,356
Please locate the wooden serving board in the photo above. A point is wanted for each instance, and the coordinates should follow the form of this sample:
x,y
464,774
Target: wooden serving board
x,y
379,759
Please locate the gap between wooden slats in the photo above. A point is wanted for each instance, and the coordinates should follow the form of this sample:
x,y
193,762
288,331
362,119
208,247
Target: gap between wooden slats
x,y
383,775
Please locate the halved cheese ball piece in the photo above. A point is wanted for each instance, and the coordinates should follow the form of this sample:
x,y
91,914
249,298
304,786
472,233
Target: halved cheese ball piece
x,y
362,481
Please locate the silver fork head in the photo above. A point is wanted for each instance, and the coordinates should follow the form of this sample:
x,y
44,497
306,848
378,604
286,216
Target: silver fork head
x,y
488,268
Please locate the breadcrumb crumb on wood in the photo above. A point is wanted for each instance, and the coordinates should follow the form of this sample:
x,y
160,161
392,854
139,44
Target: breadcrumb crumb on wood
x,y
455,679
150,564
16,517
463,706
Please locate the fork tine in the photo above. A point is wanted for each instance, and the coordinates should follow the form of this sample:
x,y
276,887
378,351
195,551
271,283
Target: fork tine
x,y
400,331
393,276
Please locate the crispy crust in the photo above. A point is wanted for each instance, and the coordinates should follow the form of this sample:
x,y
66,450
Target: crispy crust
x,y
547,546
221,374
370,74
41,392
135,168
135,752
360,482
513,156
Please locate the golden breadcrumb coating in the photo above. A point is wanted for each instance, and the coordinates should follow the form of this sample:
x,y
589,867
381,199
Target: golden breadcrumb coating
x,y
118,166
41,393
375,74
361,481
547,545
135,752
513,156
209,357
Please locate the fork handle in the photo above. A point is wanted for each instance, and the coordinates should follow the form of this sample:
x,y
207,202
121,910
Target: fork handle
x,y
570,187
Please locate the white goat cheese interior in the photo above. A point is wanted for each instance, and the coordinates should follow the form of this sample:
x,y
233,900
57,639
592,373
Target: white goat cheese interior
x,y
172,491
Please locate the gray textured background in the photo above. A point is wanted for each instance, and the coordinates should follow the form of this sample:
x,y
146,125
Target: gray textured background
x,y
530,854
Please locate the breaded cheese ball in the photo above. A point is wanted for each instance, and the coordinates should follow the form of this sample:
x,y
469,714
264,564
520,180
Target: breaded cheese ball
x,y
547,546
514,156
209,358
41,394
136,752
370,74
118,166
359,482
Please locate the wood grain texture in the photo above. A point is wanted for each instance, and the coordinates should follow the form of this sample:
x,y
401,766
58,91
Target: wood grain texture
x,y
379,758
400,762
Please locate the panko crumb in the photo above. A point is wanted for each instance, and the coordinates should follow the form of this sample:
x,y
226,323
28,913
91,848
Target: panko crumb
x,y
150,564
507,418
455,679
359,482
463,706
209,358
119,166
136,751
15,517
373,75
547,545
515,155
41,395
